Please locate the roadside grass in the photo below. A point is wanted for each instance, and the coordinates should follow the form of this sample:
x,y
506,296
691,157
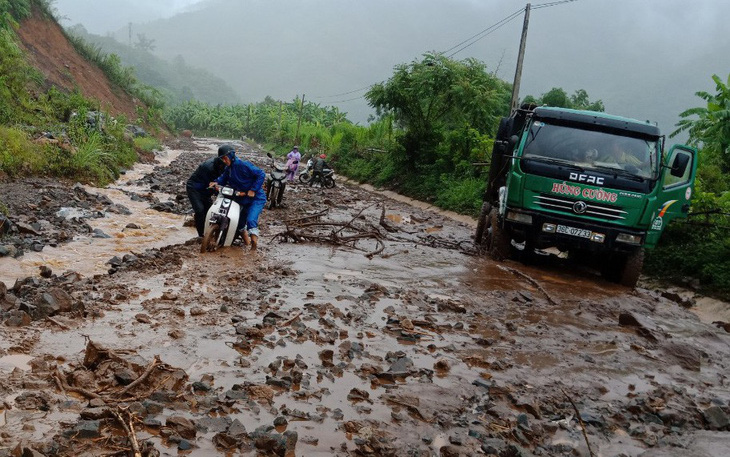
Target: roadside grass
x,y
146,143
19,155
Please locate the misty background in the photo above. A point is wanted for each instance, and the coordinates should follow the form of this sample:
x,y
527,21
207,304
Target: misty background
x,y
643,58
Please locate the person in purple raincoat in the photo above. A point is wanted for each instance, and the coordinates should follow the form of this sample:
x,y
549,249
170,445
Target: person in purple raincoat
x,y
292,163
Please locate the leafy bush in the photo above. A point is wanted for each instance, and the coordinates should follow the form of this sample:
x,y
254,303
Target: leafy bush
x,y
18,155
698,247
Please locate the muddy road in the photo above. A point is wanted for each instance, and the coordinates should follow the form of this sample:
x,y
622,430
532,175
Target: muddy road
x,y
363,326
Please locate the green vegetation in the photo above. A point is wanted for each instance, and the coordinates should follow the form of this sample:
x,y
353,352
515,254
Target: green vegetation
x,y
58,133
146,143
700,247
558,97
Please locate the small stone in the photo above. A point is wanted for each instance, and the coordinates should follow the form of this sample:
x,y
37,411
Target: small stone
x,y
280,421
182,426
442,365
45,271
196,311
143,318
327,357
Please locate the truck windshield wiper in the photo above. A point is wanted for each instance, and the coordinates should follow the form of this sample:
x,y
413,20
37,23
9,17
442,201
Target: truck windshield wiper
x,y
555,161
621,172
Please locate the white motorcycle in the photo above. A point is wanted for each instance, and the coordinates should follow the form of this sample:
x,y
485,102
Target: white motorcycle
x,y
222,220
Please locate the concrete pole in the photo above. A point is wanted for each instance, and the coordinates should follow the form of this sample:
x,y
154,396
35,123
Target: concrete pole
x,y
520,58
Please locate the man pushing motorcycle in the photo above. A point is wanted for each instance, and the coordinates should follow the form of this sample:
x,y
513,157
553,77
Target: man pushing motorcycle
x,y
245,177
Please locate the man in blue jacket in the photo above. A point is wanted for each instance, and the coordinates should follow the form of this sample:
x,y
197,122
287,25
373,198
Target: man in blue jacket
x,y
244,176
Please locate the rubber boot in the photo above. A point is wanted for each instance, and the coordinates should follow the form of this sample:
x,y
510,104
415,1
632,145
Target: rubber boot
x,y
245,238
254,242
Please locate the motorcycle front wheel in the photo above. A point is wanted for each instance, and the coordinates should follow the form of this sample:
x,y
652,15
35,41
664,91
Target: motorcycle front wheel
x,y
304,177
210,240
329,182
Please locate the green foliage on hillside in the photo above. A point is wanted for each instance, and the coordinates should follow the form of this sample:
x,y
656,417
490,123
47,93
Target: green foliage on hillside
x,y
48,131
176,81
700,246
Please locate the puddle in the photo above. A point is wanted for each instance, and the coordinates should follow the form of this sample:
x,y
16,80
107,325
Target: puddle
x,y
20,361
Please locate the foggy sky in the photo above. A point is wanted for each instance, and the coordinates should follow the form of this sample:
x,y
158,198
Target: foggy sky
x,y
644,58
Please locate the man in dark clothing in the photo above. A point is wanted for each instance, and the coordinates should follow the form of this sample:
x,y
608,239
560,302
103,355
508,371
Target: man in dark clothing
x,y
199,183
319,166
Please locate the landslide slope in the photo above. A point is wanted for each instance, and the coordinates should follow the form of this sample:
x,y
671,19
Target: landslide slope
x,y
50,52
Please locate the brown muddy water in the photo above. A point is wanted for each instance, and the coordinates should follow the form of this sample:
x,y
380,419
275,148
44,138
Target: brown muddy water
x,y
421,350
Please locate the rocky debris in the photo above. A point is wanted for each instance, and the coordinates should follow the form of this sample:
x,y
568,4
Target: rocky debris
x,y
644,326
43,213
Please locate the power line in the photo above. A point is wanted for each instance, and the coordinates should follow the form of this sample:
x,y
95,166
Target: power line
x,y
488,29
549,4
345,93
502,23
464,44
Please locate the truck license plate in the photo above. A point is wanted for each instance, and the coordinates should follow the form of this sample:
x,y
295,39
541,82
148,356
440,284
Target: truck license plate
x,y
572,231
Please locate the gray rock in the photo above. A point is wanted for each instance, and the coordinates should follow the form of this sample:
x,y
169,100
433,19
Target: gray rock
x,y
716,418
87,429
99,233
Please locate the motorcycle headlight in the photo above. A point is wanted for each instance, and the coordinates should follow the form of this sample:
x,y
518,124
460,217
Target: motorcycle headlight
x,y
227,191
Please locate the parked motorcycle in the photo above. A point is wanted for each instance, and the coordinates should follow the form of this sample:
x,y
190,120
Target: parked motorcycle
x,y
328,178
222,220
275,183
307,173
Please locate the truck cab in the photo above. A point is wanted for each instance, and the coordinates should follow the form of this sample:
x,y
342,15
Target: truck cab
x,y
586,183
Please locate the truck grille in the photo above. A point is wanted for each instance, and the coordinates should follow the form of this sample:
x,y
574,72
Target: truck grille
x,y
566,205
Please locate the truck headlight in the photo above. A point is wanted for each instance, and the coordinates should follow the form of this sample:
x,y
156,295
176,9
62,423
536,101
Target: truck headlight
x,y
519,217
629,239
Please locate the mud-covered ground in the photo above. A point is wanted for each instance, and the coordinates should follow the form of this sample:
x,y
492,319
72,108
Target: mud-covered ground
x,y
378,333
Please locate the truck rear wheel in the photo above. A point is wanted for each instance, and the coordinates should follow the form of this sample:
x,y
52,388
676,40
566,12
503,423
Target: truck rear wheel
x,y
496,240
482,223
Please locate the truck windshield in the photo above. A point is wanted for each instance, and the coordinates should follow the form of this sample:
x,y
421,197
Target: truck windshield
x,y
590,149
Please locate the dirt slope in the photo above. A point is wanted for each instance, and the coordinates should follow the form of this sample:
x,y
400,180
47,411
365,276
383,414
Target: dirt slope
x,y
50,52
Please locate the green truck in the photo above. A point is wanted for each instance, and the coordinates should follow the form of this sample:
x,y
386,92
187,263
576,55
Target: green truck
x,y
590,184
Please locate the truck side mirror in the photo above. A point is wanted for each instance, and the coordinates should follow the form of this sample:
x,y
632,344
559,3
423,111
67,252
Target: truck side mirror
x,y
679,165
513,140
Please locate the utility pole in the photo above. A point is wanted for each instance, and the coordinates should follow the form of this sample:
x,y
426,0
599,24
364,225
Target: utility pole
x,y
520,58
281,140
299,123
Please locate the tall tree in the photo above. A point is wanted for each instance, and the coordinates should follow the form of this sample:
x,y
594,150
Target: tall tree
x,y
558,97
436,95
710,130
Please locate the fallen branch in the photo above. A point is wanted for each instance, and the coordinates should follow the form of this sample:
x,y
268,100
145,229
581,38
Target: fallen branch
x,y
580,420
295,222
154,364
531,281
385,224
129,429
287,322
411,408
59,379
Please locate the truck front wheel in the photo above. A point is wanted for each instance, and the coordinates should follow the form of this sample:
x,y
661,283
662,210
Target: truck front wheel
x,y
631,268
625,268
482,223
496,240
